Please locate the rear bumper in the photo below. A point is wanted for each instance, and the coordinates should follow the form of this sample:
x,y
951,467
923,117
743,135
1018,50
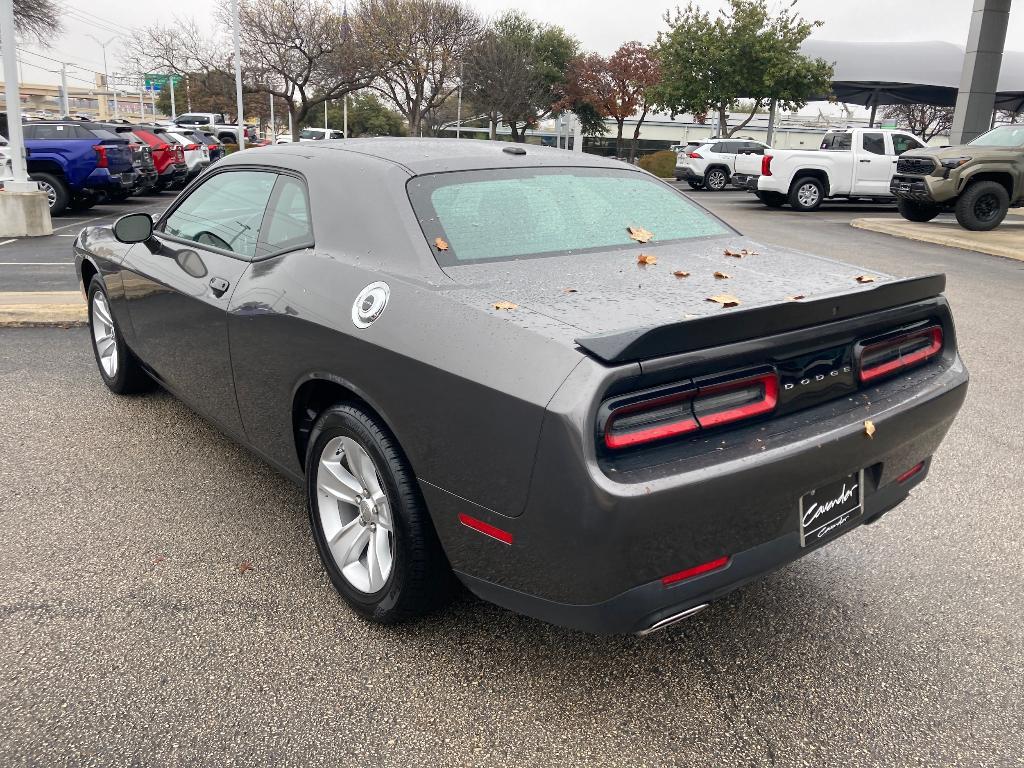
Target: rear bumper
x,y
685,173
594,542
745,181
102,179
173,173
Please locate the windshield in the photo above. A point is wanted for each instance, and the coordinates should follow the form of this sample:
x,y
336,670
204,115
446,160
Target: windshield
x,y
311,133
530,212
1003,136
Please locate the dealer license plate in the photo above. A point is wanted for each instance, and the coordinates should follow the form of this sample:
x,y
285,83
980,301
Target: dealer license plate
x,y
831,509
903,186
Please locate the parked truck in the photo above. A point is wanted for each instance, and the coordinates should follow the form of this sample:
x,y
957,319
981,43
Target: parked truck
x,y
855,163
226,132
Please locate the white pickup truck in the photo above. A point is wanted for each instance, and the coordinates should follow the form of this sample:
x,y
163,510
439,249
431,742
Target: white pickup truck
x,y
852,163
226,132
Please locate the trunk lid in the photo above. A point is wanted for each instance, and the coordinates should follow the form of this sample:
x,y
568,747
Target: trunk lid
x,y
618,310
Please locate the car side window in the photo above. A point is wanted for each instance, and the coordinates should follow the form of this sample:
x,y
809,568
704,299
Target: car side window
x,y
225,211
720,148
874,143
902,143
287,224
753,148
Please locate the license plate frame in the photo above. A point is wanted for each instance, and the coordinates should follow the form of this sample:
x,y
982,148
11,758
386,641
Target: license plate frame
x,y
903,186
831,509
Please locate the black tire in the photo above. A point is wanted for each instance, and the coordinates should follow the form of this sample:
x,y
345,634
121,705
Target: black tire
x,y
716,179
982,206
695,184
118,197
913,211
420,579
61,195
129,378
800,197
84,203
771,199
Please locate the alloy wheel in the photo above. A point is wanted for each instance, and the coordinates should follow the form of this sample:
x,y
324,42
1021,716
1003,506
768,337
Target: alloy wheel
x,y
808,195
51,193
716,180
986,207
355,514
104,334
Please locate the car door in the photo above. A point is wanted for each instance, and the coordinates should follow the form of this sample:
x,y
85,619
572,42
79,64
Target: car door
x,y
725,154
179,283
875,165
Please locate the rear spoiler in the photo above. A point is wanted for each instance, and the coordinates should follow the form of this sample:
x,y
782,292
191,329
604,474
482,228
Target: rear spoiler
x,y
740,325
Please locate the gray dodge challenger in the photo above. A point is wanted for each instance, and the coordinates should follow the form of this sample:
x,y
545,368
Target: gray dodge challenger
x,y
548,376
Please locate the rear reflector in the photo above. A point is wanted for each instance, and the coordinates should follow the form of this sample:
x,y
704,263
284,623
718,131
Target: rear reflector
x,y
485,528
766,165
910,473
895,354
697,570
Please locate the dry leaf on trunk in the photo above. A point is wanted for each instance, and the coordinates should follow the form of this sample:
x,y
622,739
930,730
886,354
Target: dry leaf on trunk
x,y
797,297
505,305
646,258
158,559
639,234
721,276
865,279
681,273
869,428
569,290
244,566
440,244
740,253
725,299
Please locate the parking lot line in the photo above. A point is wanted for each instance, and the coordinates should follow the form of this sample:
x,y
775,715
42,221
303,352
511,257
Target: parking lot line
x,y
5,242
34,263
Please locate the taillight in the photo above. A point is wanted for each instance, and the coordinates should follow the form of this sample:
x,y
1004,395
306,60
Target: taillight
x,y
652,416
179,152
695,156
882,358
191,147
736,400
161,147
101,156
649,420
766,165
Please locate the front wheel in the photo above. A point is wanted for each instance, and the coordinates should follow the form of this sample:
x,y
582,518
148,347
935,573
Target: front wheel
x,y
912,211
119,369
716,180
372,529
982,206
806,194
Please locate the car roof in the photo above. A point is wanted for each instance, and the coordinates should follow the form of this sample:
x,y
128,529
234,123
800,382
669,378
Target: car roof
x,y
421,156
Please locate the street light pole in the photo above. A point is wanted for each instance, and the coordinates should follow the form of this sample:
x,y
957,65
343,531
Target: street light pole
x,y
65,105
12,90
174,112
273,133
458,113
344,116
238,74
106,77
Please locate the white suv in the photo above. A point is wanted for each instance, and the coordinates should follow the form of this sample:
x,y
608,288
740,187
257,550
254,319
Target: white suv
x,y
713,163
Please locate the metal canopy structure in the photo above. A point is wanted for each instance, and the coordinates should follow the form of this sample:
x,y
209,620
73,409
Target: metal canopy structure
x,y
872,74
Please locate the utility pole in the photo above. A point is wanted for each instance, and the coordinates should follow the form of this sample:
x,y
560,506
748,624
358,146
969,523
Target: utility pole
x,y
273,133
238,74
174,112
344,116
12,91
64,104
106,77
325,119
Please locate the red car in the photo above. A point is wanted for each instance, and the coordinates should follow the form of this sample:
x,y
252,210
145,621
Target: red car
x,y
168,156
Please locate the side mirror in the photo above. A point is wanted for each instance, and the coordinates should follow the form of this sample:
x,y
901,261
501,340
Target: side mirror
x,y
134,228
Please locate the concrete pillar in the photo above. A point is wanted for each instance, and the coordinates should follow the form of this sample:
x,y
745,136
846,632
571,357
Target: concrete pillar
x,y
977,95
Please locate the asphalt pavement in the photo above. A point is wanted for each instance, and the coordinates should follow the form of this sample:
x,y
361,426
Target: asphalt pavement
x,y
163,604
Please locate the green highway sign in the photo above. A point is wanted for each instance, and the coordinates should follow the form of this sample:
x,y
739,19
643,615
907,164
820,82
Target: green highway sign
x,y
158,82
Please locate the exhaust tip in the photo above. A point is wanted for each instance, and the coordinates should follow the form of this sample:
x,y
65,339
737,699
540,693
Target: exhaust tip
x,y
673,619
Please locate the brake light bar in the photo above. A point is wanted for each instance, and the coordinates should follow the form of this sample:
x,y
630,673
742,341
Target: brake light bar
x,y
766,165
645,419
101,156
896,354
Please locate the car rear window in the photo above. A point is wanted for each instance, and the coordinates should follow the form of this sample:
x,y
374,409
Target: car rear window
x,y
837,141
103,133
524,213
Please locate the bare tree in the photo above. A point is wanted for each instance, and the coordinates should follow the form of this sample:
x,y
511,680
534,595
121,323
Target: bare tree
x,y
38,20
421,45
304,52
922,120
181,48
498,74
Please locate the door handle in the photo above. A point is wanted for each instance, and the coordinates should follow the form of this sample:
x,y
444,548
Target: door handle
x,y
219,285
865,161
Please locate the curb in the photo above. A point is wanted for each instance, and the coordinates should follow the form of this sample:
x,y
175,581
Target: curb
x,y
27,309
1006,241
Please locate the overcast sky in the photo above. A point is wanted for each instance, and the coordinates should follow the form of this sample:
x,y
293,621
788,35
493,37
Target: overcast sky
x,y
600,25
